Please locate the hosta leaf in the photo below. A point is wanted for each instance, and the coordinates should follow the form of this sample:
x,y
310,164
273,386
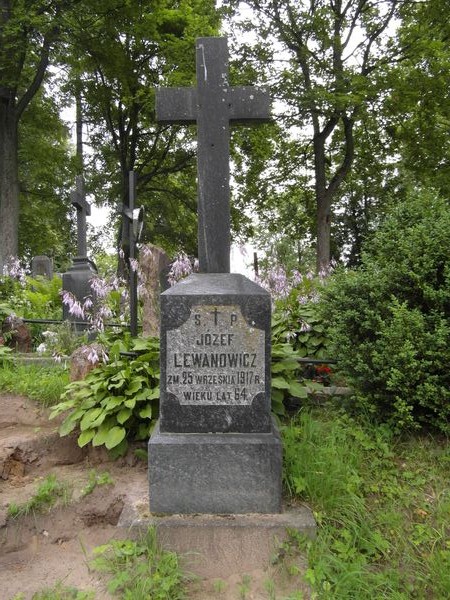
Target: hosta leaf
x,y
297,390
85,437
67,426
280,383
89,417
146,412
285,365
123,415
114,437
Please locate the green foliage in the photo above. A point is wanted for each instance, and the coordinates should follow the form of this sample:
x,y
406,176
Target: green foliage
x,y
44,384
49,491
5,356
389,320
47,172
96,479
117,401
297,320
62,592
380,504
287,380
36,298
140,570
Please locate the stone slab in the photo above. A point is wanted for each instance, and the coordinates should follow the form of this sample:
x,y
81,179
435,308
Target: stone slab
x,y
215,473
215,356
220,545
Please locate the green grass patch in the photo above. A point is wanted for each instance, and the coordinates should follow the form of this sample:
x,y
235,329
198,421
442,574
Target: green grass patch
x,y
59,592
96,479
382,504
141,570
49,491
44,384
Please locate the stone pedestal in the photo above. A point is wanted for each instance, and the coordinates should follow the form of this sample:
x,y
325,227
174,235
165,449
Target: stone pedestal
x,y
77,281
215,449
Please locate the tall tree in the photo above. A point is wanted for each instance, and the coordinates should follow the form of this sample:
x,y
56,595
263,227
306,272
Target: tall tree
x,y
46,173
332,51
121,52
29,30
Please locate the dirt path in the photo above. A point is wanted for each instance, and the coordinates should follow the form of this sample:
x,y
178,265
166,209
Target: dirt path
x,y
39,550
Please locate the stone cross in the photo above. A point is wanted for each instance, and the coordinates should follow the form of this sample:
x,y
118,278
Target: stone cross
x,y
212,105
78,199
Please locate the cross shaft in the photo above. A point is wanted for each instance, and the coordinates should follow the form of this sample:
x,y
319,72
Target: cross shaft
x,y
78,199
212,105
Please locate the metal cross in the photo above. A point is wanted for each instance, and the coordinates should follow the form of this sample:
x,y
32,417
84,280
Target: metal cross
x,y
78,199
212,105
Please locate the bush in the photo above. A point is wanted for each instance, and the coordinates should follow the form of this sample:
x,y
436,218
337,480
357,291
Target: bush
x,y
117,401
390,319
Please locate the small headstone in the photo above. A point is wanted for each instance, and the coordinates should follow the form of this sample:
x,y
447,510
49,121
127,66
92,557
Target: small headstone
x,y
152,262
81,362
42,266
19,335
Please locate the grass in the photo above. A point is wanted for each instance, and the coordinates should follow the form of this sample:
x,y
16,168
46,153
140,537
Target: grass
x,y
96,479
44,384
58,592
382,505
141,570
49,491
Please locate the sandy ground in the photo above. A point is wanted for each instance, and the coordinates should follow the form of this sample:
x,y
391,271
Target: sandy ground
x,y
40,550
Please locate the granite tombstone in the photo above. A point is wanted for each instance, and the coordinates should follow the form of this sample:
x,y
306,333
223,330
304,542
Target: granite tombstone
x,y
215,448
42,266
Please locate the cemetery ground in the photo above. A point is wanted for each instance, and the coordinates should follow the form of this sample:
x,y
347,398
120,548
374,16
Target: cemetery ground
x,y
381,502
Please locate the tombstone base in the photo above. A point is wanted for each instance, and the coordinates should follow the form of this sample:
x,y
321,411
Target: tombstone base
x,y
77,281
222,473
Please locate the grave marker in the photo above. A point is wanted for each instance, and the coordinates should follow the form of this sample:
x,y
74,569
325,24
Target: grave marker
x,y
215,448
212,105
77,279
42,266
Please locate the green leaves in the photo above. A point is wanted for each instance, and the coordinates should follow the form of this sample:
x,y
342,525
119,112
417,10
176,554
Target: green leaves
x,y
116,401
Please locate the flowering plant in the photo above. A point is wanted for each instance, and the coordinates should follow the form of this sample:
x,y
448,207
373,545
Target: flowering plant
x,y
118,400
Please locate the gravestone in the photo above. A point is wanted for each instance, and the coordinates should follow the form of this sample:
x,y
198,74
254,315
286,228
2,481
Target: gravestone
x,y
153,262
42,266
215,448
77,279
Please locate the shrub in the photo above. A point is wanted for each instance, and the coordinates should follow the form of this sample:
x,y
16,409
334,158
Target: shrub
x,y
117,401
390,319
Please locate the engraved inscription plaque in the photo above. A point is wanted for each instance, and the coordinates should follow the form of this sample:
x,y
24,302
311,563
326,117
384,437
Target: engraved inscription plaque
x,y
215,358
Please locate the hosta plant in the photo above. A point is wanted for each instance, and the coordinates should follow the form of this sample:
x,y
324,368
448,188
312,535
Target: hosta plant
x,y
118,401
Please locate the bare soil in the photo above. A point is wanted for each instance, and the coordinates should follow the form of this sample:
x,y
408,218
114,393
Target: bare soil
x,y
39,550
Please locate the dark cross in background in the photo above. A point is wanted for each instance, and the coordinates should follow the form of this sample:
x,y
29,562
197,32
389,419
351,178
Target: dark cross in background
x,y
212,105
78,199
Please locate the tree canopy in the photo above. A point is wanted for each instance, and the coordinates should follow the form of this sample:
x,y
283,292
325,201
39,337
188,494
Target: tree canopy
x,y
360,94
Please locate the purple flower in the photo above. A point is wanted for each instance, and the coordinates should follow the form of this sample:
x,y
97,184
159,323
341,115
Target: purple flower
x,y
181,268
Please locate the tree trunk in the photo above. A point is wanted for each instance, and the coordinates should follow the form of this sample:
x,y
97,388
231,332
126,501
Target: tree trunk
x,y
323,233
9,181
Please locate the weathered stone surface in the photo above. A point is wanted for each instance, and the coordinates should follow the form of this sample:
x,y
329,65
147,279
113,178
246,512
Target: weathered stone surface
x,y
215,473
42,266
19,335
212,105
80,365
215,355
78,199
220,545
152,262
